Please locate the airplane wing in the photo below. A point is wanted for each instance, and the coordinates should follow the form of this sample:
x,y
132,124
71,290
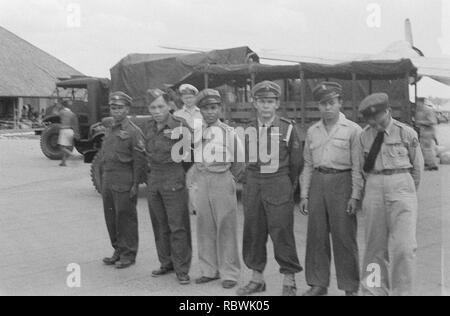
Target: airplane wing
x,y
435,68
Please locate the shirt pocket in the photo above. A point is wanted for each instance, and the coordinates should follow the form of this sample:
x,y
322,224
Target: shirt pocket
x,y
341,151
173,186
123,149
396,154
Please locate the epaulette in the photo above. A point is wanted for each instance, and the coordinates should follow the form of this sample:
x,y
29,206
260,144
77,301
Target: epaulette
x,y
290,122
137,128
226,127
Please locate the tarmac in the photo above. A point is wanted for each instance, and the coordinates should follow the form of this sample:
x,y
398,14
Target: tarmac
x,y
52,227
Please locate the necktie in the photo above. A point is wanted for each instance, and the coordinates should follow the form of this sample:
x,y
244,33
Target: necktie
x,y
374,151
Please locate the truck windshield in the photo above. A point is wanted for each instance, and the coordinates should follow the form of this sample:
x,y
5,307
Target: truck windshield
x,y
74,94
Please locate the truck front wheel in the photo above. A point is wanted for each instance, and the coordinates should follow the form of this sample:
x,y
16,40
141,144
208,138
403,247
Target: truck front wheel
x,y
49,142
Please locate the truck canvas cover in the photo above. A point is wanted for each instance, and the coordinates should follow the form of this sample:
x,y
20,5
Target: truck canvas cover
x,y
137,73
363,70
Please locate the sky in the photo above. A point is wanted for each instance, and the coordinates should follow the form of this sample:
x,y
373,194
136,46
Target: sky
x,y
93,35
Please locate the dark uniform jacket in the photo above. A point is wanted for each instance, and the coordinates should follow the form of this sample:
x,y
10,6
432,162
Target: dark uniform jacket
x,y
290,149
158,142
123,151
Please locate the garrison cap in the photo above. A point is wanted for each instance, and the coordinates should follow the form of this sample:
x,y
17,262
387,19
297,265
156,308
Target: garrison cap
x,y
187,89
208,96
120,98
327,91
266,89
154,95
374,104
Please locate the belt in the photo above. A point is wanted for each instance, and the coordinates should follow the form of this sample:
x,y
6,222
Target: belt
x,y
331,170
390,172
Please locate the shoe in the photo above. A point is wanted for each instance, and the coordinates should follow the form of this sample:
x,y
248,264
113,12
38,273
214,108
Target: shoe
x,y
289,291
184,279
63,165
162,272
252,288
228,284
111,261
316,291
124,264
204,280
347,293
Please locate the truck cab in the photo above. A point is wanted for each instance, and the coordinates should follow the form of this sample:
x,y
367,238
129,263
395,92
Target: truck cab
x,y
88,99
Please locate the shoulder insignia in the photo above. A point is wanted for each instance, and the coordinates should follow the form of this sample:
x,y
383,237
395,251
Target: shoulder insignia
x,y
290,122
226,127
124,134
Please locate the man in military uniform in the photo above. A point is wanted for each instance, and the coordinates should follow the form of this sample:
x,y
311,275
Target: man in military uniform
x,y
191,114
123,162
190,111
167,194
331,186
268,193
217,202
393,166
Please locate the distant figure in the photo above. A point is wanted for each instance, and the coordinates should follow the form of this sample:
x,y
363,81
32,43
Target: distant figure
x,y
429,145
69,131
25,111
426,121
41,116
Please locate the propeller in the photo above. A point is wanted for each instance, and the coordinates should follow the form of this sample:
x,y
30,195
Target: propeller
x,y
410,38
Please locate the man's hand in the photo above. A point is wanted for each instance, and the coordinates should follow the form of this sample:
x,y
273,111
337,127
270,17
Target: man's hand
x,y
134,191
353,206
304,204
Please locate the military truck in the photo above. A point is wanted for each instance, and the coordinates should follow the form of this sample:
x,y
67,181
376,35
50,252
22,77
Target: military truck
x,y
135,75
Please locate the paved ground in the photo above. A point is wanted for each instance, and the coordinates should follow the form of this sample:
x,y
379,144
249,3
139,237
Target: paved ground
x,y
52,217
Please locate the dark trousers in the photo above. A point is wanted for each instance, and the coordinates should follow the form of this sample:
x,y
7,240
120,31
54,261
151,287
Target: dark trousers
x,y
121,214
329,197
168,205
269,210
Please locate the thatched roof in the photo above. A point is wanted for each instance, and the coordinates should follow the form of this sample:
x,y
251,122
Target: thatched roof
x,y
27,71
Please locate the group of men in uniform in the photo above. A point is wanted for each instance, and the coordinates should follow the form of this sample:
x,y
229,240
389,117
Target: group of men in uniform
x,y
339,168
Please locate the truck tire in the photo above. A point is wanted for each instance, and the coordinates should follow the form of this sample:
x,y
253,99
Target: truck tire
x,y
97,172
49,142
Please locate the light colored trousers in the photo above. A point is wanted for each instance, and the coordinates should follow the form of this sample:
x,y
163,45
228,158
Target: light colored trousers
x,y
217,225
390,207
192,187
